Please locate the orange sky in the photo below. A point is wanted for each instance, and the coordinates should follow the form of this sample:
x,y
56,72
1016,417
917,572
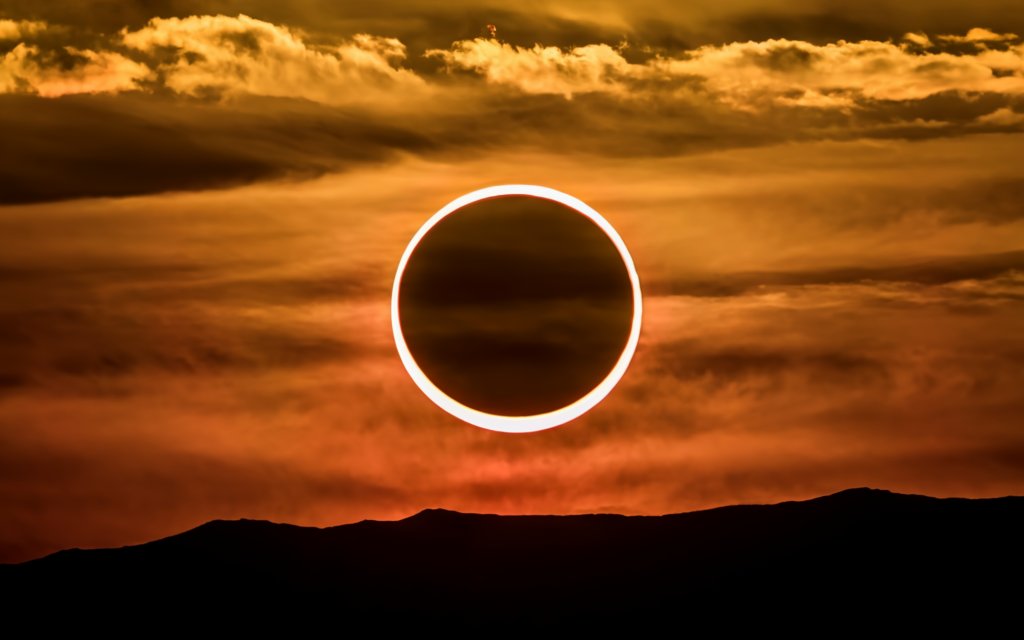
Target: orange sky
x,y
201,219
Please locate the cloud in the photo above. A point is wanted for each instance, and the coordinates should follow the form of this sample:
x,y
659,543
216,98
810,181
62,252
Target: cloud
x,y
920,39
654,23
208,101
692,360
139,143
220,55
209,55
980,34
540,69
29,69
1002,117
747,75
17,29
937,271
869,70
242,55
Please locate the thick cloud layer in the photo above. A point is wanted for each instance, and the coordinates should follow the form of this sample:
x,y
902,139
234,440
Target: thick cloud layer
x,y
189,85
81,146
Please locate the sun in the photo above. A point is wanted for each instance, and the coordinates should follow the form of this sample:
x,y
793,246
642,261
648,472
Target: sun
x,y
539,421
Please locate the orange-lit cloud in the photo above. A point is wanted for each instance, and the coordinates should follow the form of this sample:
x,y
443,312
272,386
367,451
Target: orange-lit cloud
x,y
240,54
16,29
203,101
540,69
1002,117
981,35
217,54
69,70
213,55
745,74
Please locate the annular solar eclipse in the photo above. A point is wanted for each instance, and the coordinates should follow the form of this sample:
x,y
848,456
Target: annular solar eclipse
x,y
516,308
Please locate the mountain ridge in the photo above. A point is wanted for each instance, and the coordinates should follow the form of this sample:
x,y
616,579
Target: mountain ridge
x,y
854,548
431,513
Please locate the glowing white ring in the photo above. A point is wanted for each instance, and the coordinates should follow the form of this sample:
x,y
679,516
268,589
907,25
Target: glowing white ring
x,y
540,421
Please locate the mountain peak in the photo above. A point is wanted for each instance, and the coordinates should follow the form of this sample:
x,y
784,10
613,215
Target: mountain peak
x,y
862,492
436,513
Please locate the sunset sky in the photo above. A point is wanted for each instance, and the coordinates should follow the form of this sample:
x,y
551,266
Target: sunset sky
x,y
202,206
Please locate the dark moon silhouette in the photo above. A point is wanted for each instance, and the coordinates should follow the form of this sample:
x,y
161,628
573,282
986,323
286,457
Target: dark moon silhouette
x,y
515,305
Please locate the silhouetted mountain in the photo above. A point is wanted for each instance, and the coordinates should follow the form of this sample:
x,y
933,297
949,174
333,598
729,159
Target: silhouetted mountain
x,y
862,554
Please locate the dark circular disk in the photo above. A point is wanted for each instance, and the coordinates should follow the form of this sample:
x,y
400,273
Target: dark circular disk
x,y
515,305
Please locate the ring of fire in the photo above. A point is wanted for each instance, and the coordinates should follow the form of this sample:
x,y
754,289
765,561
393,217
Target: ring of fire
x,y
518,423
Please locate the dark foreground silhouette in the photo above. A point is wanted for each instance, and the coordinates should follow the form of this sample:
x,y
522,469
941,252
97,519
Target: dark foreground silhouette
x,y
860,554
